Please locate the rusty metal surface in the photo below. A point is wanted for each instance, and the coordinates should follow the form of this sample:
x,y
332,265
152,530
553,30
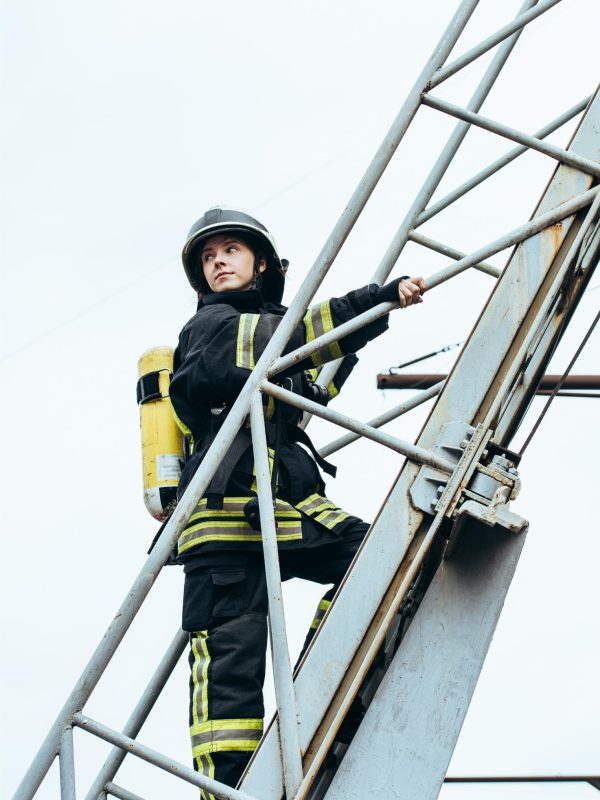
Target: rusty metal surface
x,y
415,380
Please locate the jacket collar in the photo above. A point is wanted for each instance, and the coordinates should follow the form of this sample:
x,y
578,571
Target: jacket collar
x,y
246,300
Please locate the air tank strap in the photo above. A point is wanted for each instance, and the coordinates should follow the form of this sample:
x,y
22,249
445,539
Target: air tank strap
x,y
296,434
148,386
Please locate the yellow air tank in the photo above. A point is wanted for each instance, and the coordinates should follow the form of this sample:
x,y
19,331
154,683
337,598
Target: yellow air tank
x,y
162,441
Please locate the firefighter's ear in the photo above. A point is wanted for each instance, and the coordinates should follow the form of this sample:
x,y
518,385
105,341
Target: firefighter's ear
x,y
262,265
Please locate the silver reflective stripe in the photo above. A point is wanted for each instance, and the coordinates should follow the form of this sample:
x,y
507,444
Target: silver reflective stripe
x,y
314,504
318,320
244,356
235,734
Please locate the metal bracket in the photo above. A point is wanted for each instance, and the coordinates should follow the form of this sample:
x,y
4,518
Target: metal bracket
x,y
475,490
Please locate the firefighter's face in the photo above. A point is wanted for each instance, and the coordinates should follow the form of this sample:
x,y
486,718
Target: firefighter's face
x,y
228,264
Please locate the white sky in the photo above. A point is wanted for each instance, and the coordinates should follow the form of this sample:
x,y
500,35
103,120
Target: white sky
x,y
122,123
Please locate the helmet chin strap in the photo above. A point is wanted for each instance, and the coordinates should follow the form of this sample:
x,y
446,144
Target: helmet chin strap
x,y
257,278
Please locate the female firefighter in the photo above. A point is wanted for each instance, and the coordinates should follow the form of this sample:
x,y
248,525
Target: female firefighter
x,y
232,262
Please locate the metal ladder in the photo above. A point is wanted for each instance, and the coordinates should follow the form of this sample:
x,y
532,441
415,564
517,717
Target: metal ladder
x,y
450,498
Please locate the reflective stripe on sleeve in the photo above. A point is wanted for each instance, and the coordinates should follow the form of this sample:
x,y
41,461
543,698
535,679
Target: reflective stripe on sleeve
x,y
322,510
318,320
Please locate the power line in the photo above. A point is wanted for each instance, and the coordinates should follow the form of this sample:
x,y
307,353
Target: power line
x,y
560,383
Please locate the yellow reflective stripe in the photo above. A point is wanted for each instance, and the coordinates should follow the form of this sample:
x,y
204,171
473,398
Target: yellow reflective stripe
x,y
317,321
314,373
200,675
211,773
234,745
310,335
315,503
233,509
195,681
334,347
183,427
270,409
321,609
332,390
255,536
330,518
227,724
244,356
203,645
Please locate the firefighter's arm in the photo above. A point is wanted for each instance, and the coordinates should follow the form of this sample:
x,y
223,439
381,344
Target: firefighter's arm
x,y
328,315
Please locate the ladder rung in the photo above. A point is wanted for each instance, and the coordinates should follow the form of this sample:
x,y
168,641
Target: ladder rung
x,y
497,165
123,794
502,33
411,451
558,153
445,250
146,753
382,419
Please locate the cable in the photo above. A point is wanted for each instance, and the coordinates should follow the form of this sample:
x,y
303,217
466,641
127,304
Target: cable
x,y
560,383
428,355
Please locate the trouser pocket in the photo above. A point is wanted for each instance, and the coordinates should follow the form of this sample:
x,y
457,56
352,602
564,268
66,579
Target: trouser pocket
x,y
212,596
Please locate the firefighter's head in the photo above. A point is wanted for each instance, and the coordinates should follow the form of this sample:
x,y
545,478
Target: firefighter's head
x,y
219,247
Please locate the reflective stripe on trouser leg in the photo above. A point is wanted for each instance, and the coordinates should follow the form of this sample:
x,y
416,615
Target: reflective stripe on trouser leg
x,y
226,706
324,604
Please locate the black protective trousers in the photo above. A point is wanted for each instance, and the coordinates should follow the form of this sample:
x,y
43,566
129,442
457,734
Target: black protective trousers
x,y
225,610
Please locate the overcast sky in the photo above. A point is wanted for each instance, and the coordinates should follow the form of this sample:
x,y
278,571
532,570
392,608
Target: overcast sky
x,y
123,122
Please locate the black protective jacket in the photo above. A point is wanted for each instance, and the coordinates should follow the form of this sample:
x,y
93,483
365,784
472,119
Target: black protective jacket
x,y
217,349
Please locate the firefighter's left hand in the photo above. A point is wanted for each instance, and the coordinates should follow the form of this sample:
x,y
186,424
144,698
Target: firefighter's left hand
x,y
411,291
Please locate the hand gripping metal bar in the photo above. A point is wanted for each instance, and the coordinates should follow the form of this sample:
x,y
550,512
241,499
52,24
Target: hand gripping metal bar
x,y
438,171
515,236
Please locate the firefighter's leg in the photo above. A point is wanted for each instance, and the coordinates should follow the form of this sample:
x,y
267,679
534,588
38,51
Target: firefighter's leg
x,y
225,611
326,564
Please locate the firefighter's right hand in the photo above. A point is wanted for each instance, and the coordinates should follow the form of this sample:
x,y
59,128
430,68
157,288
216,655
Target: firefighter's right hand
x,y
411,291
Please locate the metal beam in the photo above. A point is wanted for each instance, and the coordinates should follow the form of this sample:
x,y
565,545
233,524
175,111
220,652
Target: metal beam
x,y
382,419
516,25
411,451
351,619
158,759
413,380
66,758
551,150
499,164
445,250
140,713
287,713
432,676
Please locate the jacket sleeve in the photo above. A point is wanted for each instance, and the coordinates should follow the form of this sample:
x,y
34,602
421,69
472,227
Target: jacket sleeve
x,y
328,315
